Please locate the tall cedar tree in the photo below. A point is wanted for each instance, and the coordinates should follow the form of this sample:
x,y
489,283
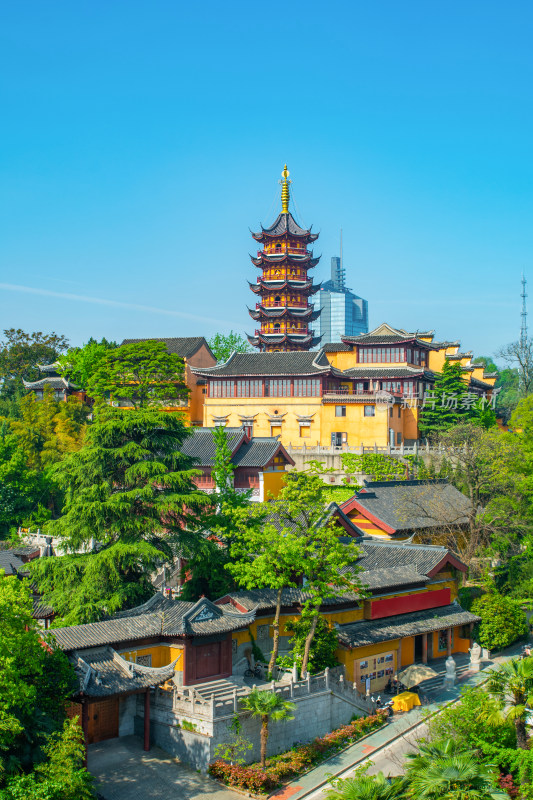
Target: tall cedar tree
x,y
35,682
448,391
130,503
143,373
206,567
297,544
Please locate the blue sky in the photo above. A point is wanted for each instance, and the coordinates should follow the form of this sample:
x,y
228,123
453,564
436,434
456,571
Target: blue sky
x,y
140,141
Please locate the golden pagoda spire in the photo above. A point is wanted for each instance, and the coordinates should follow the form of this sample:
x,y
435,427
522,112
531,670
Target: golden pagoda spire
x,y
285,190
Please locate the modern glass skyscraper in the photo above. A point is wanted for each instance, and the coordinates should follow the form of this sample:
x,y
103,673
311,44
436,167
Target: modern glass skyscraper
x,y
342,313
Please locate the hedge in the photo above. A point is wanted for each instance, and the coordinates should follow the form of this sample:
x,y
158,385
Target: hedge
x,y
295,761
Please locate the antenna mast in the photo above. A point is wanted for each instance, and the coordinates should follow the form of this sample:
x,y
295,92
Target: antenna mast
x,y
523,327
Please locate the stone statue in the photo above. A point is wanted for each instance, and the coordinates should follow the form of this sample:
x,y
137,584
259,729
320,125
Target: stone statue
x,y
475,658
449,678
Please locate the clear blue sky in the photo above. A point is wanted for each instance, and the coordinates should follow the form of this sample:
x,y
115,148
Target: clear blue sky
x,y
139,141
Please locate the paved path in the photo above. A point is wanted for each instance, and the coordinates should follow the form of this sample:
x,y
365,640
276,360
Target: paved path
x,y
124,771
396,734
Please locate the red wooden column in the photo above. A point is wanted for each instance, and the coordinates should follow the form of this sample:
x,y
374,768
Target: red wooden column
x,y
147,720
85,729
449,642
424,648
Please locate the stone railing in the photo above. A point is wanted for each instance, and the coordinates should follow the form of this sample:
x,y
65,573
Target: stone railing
x,y
319,449
187,701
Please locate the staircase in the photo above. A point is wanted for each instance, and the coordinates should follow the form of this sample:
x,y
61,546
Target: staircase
x,y
220,690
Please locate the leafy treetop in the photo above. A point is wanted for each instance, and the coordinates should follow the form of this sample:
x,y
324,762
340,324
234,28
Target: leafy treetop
x,y
20,352
144,373
223,345
80,363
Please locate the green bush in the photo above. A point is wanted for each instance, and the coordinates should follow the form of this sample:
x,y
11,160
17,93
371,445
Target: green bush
x,y
295,761
467,595
502,621
323,647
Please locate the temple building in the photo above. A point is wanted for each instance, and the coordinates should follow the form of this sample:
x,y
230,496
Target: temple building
x,y
366,390
284,287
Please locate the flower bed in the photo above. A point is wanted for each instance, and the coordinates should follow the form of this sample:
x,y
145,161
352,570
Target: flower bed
x,y
296,761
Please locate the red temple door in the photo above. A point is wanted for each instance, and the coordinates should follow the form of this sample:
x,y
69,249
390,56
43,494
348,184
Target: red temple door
x,y
208,660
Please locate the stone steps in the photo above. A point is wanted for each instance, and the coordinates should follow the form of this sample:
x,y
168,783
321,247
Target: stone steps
x,y
221,690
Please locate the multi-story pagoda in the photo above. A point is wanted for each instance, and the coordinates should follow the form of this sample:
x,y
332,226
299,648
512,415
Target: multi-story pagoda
x,y
284,287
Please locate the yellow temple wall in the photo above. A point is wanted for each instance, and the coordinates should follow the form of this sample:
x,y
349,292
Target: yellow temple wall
x,y
162,655
263,408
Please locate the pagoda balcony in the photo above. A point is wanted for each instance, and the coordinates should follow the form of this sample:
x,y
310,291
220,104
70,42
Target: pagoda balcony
x,y
280,305
288,332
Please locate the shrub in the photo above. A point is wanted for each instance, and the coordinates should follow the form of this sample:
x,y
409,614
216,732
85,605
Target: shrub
x,y
502,621
295,761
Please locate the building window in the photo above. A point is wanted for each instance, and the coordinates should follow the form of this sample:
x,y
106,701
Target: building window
x,y
278,388
399,412
262,633
249,388
221,388
340,411
391,411
398,438
307,387
338,439
305,431
275,430
370,411
145,661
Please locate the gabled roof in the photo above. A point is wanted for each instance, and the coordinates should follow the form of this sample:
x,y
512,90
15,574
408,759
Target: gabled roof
x,y
426,559
332,511
291,363
183,346
409,505
263,599
257,452
159,617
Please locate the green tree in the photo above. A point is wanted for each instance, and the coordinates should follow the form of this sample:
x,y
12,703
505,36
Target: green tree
x,y
80,363
512,685
502,621
61,776
270,707
232,512
21,488
323,647
223,345
20,352
130,490
142,373
237,746
35,682
444,410
445,770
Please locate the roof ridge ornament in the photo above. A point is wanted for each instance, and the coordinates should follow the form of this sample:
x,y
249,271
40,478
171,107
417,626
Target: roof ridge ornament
x,y
285,193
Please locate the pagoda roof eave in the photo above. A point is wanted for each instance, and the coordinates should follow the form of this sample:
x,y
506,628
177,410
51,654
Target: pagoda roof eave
x,y
275,286
281,258
276,313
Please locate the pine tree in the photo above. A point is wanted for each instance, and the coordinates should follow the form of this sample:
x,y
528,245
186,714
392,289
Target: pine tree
x,y
446,404
130,503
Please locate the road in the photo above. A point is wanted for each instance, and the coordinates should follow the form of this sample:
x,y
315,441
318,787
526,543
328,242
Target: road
x,y
389,760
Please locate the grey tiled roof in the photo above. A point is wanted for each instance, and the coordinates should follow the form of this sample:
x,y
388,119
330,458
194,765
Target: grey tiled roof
x,y
103,672
159,617
330,511
389,555
10,563
41,610
414,505
264,599
336,347
358,634
285,223
374,579
53,383
291,363
257,452
183,346
201,444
